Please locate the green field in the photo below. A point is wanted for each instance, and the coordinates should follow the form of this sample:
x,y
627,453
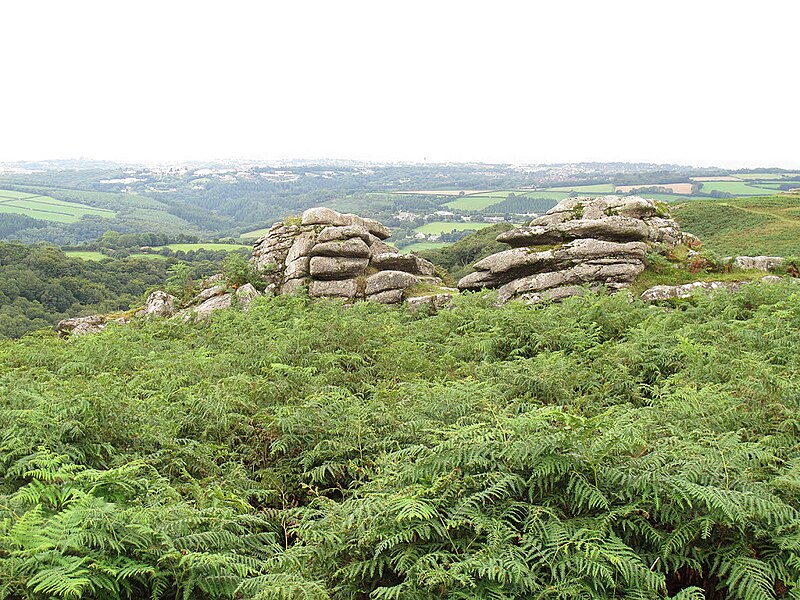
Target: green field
x,y
598,188
483,201
202,246
767,176
439,227
47,208
255,234
674,197
148,256
474,203
738,188
744,226
417,246
86,254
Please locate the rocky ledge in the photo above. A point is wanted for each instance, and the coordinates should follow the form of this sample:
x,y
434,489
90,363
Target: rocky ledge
x,y
579,243
336,255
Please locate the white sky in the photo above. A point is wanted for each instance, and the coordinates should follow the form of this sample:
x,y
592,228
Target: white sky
x,y
692,82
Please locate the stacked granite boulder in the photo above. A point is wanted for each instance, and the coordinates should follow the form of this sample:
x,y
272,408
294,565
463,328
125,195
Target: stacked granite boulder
x,y
338,255
580,243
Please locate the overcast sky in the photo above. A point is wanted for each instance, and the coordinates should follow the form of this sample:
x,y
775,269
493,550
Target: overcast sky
x,y
696,82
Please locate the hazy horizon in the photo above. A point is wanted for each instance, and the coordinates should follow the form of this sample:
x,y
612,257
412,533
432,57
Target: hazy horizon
x,y
148,83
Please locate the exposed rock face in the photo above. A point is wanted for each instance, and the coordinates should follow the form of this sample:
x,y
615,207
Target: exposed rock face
x,y
338,255
760,263
579,242
81,325
158,304
669,292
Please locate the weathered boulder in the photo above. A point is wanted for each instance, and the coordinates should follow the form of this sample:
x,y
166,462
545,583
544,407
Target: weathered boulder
x,y
668,292
214,290
81,325
395,261
246,294
204,310
431,302
760,263
160,304
327,216
345,232
351,248
615,228
389,280
336,288
580,242
387,297
333,267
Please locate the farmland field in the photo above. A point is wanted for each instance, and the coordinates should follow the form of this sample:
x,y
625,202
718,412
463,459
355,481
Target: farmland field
x,y
202,246
475,203
597,188
484,201
675,197
442,192
738,188
767,176
86,254
255,234
677,188
438,227
148,256
417,246
47,208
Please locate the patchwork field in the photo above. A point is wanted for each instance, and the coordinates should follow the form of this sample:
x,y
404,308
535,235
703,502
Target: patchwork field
x,y
484,201
439,227
47,208
767,176
442,192
673,198
475,203
751,226
597,188
677,188
738,188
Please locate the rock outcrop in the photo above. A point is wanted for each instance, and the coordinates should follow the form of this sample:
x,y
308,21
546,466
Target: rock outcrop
x,y
81,325
757,263
580,242
335,255
660,293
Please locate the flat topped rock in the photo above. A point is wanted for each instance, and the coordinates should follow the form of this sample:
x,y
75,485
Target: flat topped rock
x,y
614,228
327,216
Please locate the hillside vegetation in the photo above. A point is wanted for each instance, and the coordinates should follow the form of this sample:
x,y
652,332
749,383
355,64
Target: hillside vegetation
x,y
40,285
597,448
745,226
